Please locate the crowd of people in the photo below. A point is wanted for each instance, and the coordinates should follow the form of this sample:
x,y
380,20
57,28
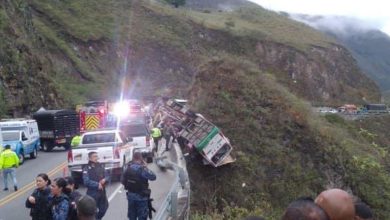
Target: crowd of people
x,y
332,204
60,200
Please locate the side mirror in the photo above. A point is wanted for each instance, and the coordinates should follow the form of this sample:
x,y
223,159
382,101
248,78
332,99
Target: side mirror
x,y
24,138
129,139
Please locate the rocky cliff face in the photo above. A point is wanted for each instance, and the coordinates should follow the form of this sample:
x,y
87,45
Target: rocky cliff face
x,y
53,60
325,76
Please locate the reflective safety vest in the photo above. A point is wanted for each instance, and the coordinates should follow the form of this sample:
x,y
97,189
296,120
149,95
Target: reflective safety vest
x,y
156,133
8,159
75,141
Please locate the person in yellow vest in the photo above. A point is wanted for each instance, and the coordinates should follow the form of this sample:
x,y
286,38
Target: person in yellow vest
x,y
9,161
156,135
75,141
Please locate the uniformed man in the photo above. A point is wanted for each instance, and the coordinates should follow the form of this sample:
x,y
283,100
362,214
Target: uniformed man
x,y
75,141
156,135
95,179
9,161
135,181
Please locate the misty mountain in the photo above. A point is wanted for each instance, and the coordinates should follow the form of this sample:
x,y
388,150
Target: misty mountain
x,y
369,46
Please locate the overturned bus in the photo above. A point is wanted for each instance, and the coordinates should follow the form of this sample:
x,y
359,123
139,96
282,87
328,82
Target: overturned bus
x,y
204,136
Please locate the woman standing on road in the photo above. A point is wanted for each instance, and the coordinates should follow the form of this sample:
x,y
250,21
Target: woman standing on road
x,y
38,201
59,202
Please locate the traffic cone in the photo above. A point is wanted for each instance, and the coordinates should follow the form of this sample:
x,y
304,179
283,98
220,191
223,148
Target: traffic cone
x,y
65,172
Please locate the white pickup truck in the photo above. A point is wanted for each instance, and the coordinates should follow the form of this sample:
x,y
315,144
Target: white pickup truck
x,y
113,148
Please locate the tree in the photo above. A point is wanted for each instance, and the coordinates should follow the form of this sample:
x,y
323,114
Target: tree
x,y
176,3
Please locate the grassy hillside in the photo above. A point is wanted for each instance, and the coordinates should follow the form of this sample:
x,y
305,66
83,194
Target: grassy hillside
x,y
92,46
283,150
251,71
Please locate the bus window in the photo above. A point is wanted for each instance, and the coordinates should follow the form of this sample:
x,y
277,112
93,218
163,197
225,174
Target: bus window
x,y
221,153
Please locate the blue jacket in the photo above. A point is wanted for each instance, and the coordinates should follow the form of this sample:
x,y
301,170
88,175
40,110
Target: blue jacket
x,y
92,174
59,207
143,175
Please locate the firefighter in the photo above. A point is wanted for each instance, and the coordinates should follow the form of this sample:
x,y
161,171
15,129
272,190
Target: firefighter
x,y
95,178
135,180
9,161
156,135
75,141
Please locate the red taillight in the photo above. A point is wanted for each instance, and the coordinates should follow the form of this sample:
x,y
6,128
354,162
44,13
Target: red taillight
x,y
116,152
147,141
70,156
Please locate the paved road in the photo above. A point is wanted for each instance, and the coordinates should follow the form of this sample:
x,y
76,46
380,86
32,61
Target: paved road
x,y
12,203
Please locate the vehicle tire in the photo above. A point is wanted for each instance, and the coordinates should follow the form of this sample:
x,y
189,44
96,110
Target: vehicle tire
x,y
46,146
34,154
21,158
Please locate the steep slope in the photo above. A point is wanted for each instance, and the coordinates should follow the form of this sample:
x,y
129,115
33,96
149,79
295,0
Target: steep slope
x,y
84,50
249,70
370,47
283,150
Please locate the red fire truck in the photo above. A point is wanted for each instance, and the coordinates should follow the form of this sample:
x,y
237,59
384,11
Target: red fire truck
x,y
93,115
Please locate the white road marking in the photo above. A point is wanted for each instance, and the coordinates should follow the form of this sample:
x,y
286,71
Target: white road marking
x,y
115,192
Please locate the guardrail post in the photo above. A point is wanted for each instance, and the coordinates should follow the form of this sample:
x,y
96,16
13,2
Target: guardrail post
x,y
174,205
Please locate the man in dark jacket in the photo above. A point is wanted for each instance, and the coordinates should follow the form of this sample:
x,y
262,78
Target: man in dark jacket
x,y
135,180
168,132
95,179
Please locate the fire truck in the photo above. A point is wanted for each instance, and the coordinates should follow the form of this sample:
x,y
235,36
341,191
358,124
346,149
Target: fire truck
x,y
93,115
204,136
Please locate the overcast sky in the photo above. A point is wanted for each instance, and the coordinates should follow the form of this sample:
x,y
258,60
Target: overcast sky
x,y
374,12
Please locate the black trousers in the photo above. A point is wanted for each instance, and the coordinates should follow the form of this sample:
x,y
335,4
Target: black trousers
x,y
167,139
156,141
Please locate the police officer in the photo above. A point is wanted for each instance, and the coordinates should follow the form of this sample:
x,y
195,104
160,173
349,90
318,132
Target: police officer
x,y
8,162
156,135
135,180
95,178
75,141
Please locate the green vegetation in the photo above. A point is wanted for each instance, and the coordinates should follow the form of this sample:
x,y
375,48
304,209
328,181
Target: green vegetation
x,y
79,50
255,22
283,150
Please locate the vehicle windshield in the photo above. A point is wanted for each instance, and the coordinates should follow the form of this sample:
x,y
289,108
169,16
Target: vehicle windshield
x,y
135,130
99,138
12,128
225,149
11,136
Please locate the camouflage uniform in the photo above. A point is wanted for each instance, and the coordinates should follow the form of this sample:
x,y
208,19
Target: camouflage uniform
x,y
59,207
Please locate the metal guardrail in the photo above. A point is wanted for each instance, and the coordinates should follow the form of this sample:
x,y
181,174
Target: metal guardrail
x,y
176,205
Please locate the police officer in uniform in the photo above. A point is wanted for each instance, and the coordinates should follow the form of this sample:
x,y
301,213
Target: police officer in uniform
x,y
75,141
135,180
95,179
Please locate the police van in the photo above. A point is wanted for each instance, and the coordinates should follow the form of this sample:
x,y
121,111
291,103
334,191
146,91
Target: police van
x,y
22,135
